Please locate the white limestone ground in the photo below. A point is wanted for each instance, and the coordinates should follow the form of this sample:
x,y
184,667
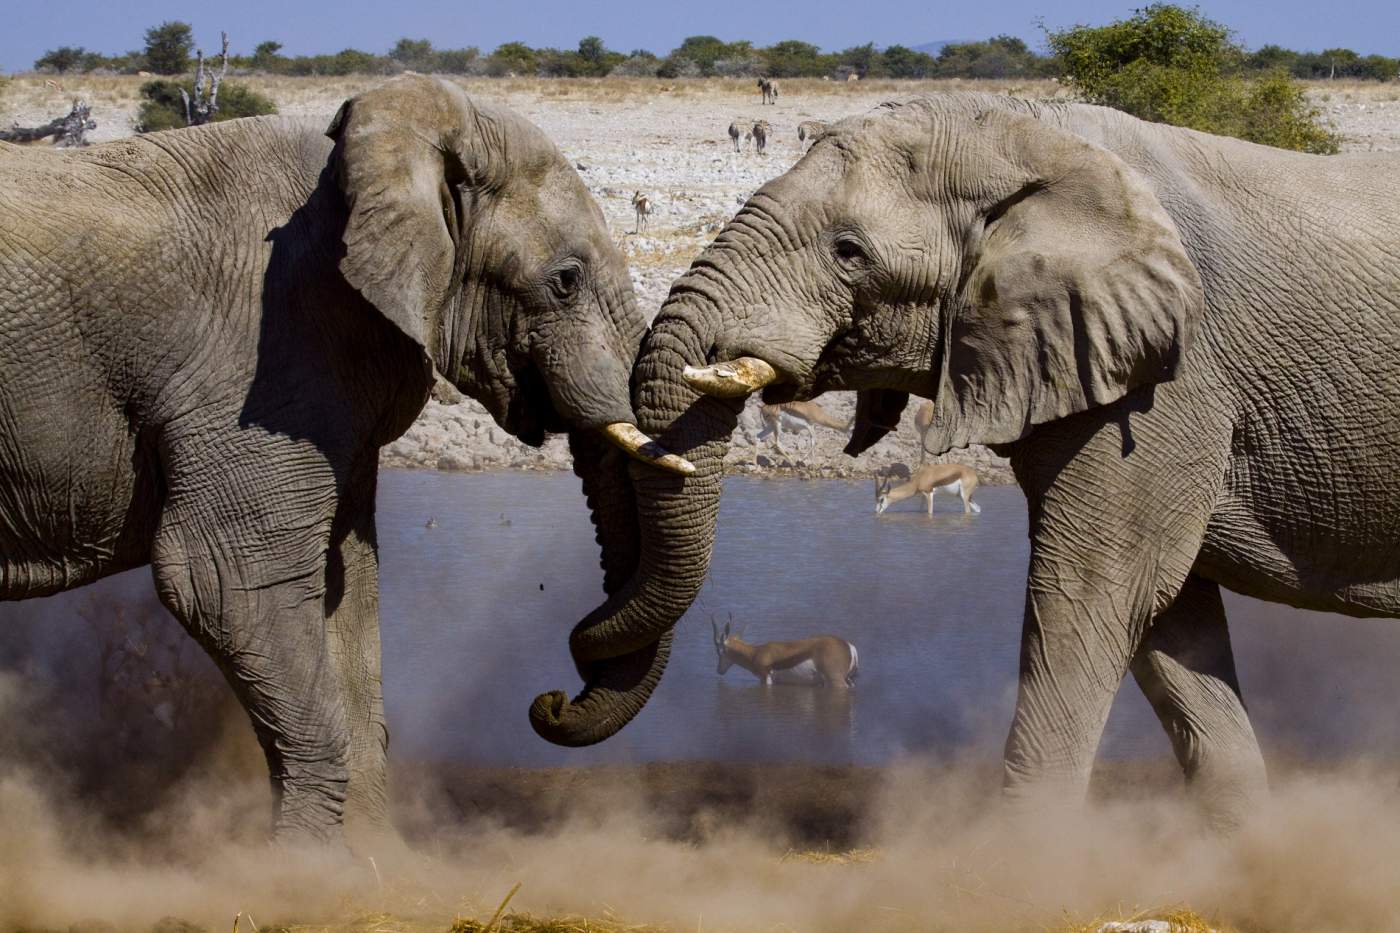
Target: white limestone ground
x,y
669,140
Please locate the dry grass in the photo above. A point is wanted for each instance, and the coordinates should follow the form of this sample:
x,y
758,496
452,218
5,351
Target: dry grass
x,y
27,91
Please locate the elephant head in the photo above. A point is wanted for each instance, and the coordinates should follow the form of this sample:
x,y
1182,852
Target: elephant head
x,y
466,228
962,249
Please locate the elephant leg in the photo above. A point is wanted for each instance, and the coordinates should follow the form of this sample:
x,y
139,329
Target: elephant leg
x,y
240,559
352,622
1187,671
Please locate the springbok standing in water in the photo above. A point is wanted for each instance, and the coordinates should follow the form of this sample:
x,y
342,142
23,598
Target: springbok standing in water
x,y
798,417
923,420
823,661
642,206
925,481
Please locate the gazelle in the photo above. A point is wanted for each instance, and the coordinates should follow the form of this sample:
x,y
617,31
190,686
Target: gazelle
x,y
823,661
800,416
927,480
923,420
642,206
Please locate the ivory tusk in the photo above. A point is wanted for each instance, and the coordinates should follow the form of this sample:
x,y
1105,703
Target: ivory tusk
x,y
630,439
734,379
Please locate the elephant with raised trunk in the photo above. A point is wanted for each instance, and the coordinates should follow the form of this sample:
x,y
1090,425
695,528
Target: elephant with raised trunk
x,y
1188,346
208,334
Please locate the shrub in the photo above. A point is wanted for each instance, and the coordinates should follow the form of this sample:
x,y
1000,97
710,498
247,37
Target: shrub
x,y
163,109
1171,65
168,47
640,64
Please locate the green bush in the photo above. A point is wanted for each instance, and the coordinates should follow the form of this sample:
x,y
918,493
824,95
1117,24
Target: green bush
x,y
1172,65
162,108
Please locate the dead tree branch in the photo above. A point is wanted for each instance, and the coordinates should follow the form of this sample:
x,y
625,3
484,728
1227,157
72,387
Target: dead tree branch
x,y
66,131
202,108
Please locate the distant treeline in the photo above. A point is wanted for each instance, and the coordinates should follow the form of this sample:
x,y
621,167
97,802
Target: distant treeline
x,y
697,56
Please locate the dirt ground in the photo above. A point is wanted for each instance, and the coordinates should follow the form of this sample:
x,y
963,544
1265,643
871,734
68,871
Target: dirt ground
x,y
667,139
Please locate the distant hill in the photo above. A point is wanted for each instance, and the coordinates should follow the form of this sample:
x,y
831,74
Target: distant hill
x,y
936,46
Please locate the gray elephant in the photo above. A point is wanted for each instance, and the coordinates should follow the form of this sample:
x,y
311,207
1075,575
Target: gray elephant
x,y
208,334
1188,346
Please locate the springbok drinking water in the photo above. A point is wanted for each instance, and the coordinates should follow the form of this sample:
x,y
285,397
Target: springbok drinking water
x,y
823,661
927,480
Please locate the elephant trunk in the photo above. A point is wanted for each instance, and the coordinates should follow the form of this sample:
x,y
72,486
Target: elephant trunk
x,y
621,648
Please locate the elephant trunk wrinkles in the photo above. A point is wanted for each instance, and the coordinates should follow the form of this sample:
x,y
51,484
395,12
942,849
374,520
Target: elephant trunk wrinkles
x,y
621,648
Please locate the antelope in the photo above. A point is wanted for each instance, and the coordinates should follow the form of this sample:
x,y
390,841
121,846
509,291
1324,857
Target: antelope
x,y
761,129
736,130
642,205
801,416
811,128
927,480
923,420
769,89
823,661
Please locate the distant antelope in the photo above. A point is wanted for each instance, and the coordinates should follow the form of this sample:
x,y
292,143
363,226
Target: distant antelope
x,y
800,416
769,89
927,480
761,129
923,420
823,661
811,129
642,206
736,129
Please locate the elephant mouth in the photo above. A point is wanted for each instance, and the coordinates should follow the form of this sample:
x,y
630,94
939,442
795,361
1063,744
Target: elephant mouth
x,y
531,415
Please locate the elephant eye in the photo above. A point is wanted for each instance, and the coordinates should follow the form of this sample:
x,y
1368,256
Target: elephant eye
x,y
849,252
565,281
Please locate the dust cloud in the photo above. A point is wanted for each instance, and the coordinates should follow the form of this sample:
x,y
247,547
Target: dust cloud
x,y
723,849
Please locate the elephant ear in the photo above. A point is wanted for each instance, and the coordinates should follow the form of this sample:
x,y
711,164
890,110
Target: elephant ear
x,y
1077,290
399,159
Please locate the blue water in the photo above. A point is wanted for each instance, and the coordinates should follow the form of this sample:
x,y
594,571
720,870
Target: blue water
x,y
476,612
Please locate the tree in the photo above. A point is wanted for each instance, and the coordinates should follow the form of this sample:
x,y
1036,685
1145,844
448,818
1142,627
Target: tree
x,y
168,47
1172,65
512,58
595,59
61,60
704,51
794,59
416,54
899,61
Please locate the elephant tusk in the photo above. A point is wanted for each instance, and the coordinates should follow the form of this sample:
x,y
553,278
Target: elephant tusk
x,y
734,379
637,445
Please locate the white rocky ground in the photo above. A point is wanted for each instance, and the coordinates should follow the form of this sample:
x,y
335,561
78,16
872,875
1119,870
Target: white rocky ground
x,y
669,141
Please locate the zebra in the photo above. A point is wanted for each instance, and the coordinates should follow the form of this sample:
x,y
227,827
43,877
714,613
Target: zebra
x,y
811,129
736,130
769,89
761,129
643,207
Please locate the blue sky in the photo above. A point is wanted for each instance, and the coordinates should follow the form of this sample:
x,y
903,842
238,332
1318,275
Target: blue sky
x,y
313,26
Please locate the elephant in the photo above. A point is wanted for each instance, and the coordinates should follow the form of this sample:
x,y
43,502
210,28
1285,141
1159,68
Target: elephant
x,y
1187,345
208,335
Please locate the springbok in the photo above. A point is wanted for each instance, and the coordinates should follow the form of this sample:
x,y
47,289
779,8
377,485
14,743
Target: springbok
x,y
800,416
823,661
769,89
736,129
923,420
927,480
761,129
642,206
811,129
